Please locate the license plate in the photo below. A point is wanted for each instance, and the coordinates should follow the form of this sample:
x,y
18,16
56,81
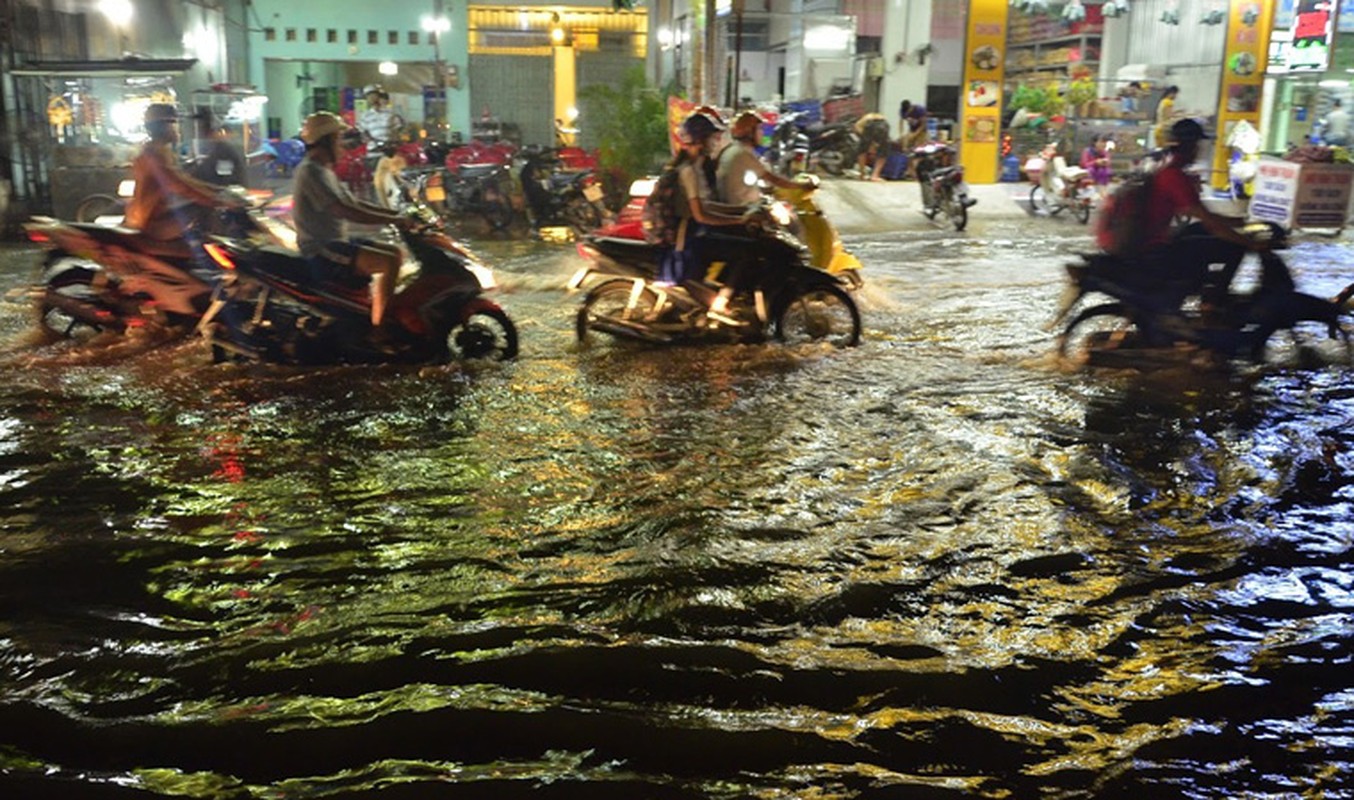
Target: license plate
x,y
592,193
435,194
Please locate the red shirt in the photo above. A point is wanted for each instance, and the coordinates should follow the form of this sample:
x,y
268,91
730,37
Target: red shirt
x,y
1173,191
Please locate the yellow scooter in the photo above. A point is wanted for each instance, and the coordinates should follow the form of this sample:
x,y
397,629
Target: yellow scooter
x,y
817,232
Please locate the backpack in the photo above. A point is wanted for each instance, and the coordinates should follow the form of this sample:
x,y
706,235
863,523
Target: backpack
x,y
662,211
1122,226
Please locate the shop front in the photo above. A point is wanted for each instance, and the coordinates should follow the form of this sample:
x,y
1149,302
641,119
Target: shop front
x,y
92,124
1311,66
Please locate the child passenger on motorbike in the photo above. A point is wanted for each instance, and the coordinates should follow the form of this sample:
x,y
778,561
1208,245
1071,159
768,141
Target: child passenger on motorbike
x,y
167,200
1183,258
323,207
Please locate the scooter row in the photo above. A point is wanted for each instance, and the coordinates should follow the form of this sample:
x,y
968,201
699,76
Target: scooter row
x,y
239,283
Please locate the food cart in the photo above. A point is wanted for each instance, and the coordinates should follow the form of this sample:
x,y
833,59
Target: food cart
x,y
92,112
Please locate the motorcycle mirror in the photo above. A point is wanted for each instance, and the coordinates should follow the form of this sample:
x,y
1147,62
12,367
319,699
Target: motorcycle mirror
x,y
127,188
642,187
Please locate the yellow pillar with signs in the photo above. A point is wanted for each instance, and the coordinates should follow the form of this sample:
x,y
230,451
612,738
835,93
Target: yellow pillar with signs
x,y
1243,72
980,96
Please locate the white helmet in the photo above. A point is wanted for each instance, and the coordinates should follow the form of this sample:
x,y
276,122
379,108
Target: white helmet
x,y
321,124
371,88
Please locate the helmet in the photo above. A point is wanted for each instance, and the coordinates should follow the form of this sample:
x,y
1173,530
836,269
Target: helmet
x,y
1188,130
321,124
746,124
161,112
701,126
371,88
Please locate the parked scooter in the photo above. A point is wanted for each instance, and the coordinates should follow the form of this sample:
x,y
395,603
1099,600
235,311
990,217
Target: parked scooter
x,y
1145,322
1059,186
558,197
766,281
261,312
942,183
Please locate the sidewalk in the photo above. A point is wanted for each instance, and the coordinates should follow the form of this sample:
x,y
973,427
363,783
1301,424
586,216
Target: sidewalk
x,y
857,206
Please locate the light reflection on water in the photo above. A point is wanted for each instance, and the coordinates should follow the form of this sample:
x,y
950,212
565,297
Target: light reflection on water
x,y
940,564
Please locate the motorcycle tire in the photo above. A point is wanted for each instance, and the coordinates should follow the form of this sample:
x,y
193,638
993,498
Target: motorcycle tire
x,y
613,306
487,333
817,315
1041,203
98,205
1100,327
498,213
1083,210
956,210
833,160
582,216
70,307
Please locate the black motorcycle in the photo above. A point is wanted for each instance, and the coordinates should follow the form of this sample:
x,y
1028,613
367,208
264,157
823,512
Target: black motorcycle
x,y
474,189
559,197
943,188
1147,319
262,312
765,277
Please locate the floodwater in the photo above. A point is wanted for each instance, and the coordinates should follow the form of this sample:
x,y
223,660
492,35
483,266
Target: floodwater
x,y
940,565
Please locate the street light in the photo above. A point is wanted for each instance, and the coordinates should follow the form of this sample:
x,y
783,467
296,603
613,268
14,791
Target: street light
x,y
435,25
119,13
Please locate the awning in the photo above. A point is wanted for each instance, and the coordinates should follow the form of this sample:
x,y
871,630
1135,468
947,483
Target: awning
x,y
119,68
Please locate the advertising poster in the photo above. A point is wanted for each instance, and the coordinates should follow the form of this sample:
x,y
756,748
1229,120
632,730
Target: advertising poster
x,y
1274,192
984,74
1310,50
1249,24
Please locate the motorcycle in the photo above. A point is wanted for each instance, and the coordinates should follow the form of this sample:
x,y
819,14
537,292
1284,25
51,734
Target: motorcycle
x,y
483,189
769,286
1145,319
100,277
942,183
788,152
621,249
556,197
1059,186
260,312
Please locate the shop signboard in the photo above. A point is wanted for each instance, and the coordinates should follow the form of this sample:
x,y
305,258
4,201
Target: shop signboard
x,y
980,97
1247,50
1297,195
1310,51
1274,192
1322,199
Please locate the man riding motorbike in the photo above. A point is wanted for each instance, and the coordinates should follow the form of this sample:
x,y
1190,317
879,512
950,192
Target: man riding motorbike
x,y
1181,258
738,170
167,200
323,206
698,208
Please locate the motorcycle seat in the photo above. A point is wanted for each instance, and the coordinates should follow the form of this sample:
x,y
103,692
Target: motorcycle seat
x,y
132,239
477,170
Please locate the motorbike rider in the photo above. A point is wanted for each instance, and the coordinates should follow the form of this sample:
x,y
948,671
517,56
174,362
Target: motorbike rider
x,y
738,170
323,207
167,200
220,160
1183,258
378,121
700,212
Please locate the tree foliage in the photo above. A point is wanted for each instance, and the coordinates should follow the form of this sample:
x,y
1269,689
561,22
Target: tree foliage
x,y
630,123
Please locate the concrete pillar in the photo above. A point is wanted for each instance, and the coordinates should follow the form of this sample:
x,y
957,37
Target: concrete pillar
x,y
566,82
907,26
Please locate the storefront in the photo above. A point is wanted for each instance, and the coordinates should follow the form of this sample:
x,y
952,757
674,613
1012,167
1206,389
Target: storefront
x,y
93,123
1311,65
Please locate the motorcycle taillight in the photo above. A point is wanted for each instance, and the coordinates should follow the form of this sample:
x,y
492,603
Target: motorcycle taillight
x,y
38,237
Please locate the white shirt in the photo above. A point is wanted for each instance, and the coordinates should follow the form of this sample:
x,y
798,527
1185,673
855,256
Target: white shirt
x,y
376,122
316,192
731,175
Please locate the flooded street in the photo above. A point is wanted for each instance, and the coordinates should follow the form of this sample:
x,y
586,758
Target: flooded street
x,y
940,565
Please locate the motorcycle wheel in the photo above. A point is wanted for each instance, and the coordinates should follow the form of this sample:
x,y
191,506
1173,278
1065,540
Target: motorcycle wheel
x,y
498,213
1040,202
822,314
70,307
1098,328
832,160
487,334
1083,210
613,304
583,217
98,205
956,210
